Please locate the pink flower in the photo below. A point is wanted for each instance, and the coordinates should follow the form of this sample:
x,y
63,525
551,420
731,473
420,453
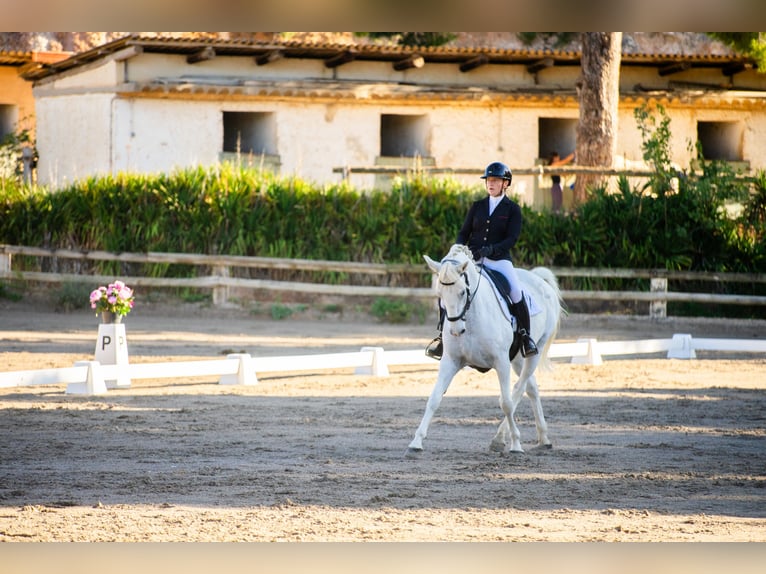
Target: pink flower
x,y
115,298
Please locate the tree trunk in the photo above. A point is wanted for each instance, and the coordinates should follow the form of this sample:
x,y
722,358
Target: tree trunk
x,y
599,92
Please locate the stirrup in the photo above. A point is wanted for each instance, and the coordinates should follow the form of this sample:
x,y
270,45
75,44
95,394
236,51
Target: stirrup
x,y
528,347
435,348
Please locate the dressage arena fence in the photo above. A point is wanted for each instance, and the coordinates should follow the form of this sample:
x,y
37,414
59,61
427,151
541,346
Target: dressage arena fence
x,y
220,281
93,377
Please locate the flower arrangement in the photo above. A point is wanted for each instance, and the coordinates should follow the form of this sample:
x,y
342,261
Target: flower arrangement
x,y
115,298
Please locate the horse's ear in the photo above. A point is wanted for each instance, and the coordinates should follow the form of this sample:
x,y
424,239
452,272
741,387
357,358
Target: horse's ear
x,y
433,265
461,268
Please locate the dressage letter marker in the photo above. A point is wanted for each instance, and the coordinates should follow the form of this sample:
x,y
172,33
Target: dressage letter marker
x,y
112,349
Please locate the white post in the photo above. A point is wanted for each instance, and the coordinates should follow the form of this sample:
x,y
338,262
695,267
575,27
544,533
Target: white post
x,y
378,366
94,383
681,347
220,292
592,358
658,309
5,263
245,374
112,349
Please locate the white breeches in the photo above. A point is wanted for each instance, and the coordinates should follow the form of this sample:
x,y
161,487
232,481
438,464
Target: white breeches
x,y
509,271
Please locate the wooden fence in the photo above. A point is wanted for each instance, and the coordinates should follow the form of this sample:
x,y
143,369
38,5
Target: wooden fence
x,y
540,170
220,280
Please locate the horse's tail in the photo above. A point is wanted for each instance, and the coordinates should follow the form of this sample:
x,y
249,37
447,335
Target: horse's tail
x,y
550,278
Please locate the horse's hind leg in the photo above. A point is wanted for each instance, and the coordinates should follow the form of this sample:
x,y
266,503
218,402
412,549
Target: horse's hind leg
x,y
508,429
533,392
501,437
509,400
447,370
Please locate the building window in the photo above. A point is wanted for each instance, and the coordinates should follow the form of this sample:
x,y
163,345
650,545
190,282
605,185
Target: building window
x,y
249,133
404,136
556,134
250,139
720,140
8,117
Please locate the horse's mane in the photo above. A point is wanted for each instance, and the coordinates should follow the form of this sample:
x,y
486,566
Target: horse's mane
x,y
459,252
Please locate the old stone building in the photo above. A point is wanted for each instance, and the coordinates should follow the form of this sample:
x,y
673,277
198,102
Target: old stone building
x,y
318,109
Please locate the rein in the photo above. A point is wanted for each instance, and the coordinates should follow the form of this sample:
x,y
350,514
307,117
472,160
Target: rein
x,y
468,295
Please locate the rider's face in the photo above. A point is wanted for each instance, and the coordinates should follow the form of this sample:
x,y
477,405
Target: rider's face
x,y
495,186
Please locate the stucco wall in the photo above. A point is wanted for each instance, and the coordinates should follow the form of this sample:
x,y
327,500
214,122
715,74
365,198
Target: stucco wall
x,y
156,135
148,67
103,74
73,137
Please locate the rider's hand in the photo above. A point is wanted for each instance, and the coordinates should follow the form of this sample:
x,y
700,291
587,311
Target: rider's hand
x,y
485,251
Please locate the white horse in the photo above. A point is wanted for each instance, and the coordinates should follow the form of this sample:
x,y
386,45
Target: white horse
x,y
479,335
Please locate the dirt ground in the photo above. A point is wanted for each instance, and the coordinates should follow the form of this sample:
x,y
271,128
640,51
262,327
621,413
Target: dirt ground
x,y
645,449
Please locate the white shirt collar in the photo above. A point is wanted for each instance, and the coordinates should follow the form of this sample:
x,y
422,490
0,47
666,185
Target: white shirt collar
x,y
493,201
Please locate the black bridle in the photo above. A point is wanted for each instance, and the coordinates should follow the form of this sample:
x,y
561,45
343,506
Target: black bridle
x,y
468,295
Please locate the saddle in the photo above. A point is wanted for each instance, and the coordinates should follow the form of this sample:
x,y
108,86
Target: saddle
x,y
504,288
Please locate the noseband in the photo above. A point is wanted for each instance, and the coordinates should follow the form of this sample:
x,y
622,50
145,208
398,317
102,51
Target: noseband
x,y
468,295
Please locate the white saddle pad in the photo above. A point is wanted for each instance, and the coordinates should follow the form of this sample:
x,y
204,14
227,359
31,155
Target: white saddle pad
x,y
532,305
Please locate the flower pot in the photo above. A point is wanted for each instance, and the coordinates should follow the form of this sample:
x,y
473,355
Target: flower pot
x,y
109,317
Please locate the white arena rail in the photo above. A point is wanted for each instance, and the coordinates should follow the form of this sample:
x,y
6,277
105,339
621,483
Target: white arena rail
x,y
92,377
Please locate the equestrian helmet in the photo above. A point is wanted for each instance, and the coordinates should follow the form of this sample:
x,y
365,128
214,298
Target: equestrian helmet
x,y
498,169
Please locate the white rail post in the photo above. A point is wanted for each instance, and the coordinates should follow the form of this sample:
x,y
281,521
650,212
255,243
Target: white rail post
x,y
658,309
592,358
245,374
94,383
681,347
378,367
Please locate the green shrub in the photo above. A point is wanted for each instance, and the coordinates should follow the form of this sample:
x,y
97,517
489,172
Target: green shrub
x,y
226,210
397,310
279,311
72,296
7,292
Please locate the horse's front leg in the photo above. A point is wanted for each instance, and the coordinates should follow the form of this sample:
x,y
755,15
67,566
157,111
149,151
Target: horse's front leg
x,y
447,371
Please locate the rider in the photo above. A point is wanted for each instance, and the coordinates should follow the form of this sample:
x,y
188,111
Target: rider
x,y
490,229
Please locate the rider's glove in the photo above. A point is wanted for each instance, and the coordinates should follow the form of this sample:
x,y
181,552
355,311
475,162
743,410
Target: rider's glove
x,y
485,251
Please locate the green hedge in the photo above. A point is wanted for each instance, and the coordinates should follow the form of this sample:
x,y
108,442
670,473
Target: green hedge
x,y
224,210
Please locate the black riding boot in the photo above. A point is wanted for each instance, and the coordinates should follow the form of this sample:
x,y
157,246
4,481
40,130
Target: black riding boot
x,y
528,347
435,348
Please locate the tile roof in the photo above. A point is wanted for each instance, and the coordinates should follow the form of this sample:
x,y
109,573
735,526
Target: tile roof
x,y
460,55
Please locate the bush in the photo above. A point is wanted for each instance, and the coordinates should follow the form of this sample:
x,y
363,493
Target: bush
x,y
231,211
398,311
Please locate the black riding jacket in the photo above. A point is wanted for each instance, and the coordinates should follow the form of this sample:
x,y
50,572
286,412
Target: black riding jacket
x,y
500,230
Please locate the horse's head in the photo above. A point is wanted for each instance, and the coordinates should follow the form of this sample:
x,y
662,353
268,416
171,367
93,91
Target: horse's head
x,y
453,286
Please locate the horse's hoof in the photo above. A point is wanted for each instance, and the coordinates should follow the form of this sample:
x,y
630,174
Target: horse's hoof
x,y
413,452
497,447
